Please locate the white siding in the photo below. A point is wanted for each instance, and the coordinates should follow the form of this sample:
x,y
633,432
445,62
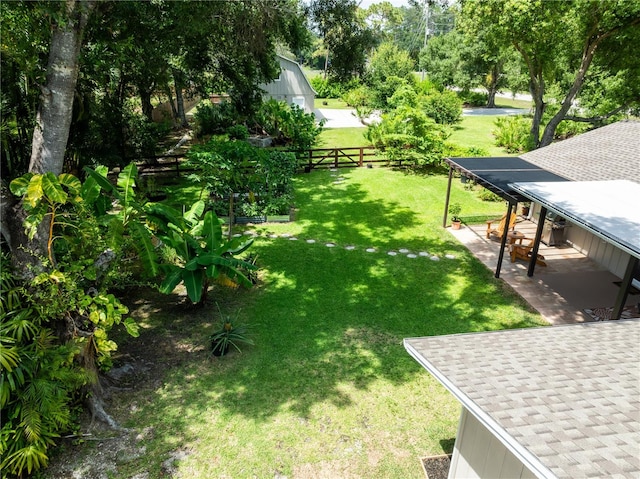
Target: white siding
x,y
479,454
597,249
291,86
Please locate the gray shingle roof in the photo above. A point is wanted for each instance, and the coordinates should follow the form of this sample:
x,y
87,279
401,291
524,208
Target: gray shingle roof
x,y
564,399
608,153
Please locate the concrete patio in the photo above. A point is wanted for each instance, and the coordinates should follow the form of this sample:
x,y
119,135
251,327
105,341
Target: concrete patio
x,y
561,291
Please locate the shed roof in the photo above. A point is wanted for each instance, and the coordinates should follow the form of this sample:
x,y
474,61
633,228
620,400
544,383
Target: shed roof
x,y
496,174
607,153
564,399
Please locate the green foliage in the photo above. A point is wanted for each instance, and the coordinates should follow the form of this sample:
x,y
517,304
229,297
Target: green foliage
x,y
454,211
228,335
487,195
357,97
325,88
201,253
288,125
214,118
473,98
444,107
262,177
238,132
407,134
514,133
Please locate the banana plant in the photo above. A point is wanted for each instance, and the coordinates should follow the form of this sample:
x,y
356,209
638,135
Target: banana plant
x,y
204,254
128,214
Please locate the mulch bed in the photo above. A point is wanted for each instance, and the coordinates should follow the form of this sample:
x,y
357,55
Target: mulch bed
x,y
436,467
604,314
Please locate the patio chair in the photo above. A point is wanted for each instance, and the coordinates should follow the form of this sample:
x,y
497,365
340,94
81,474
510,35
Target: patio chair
x,y
501,228
523,252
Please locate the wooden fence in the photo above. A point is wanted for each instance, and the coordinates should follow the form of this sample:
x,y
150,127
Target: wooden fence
x,y
359,156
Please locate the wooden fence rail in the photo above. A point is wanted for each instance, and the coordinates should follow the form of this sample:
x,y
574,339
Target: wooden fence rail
x,y
359,156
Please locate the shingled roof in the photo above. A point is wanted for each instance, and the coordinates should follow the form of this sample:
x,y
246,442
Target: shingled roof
x,y
611,152
564,399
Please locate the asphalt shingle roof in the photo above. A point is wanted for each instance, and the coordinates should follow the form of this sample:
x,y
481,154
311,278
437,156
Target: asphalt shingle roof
x,y
611,152
565,400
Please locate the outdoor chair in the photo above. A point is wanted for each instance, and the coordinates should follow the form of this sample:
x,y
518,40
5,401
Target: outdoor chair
x,y
523,252
501,228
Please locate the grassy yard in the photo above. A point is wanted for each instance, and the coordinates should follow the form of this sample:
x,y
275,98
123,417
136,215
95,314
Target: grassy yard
x,y
476,131
327,390
342,138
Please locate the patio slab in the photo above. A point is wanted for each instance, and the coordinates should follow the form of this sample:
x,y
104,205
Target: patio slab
x,y
561,291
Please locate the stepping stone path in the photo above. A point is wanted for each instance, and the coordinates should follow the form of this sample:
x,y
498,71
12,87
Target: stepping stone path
x,y
400,252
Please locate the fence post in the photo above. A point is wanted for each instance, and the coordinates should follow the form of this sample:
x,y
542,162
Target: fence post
x,y
310,160
335,156
361,163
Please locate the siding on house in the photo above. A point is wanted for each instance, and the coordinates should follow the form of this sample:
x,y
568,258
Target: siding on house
x,y
291,86
608,153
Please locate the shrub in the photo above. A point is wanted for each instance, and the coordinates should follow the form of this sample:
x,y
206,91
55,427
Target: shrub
x,y
238,132
473,98
357,97
325,88
488,195
445,108
408,134
288,124
142,135
214,118
513,133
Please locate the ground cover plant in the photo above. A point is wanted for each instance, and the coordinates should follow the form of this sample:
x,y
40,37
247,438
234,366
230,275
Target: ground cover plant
x,y
327,390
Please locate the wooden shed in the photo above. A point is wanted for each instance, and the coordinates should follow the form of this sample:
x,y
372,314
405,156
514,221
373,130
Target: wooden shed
x,y
292,86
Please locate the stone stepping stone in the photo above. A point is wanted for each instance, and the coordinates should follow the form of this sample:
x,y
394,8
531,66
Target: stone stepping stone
x,y
403,250
423,253
411,255
370,250
311,241
350,247
450,256
273,236
285,235
434,258
392,253
330,245
237,235
293,238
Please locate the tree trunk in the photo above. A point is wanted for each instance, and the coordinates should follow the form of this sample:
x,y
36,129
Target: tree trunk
x,y
174,110
56,100
182,117
492,86
578,81
145,99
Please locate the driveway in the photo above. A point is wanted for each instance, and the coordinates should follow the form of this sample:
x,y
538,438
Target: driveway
x,y
346,118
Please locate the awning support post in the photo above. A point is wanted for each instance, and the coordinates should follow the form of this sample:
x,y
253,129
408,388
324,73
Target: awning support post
x,y
503,242
446,201
623,293
536,241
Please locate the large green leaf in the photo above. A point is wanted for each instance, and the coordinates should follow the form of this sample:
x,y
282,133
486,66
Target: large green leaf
x,y
145,247
19,186
237,245
73,184
193,281
195,212
34,190
53,189
171,280
212,231
103,182
127,183
91,188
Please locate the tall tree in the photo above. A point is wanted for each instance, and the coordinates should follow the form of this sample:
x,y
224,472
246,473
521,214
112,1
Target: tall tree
x,y
557,41
346,37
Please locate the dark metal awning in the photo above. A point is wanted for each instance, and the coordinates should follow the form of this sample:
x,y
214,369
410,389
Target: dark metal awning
x,y
496,173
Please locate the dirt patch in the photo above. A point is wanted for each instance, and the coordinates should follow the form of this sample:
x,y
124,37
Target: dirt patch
x,y
140,364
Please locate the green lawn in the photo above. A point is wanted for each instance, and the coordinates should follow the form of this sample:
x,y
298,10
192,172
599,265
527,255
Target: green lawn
x,y
342,138
476,131
328,389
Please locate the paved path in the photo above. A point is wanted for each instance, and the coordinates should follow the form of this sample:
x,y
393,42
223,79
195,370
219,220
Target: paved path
x,y
346,118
